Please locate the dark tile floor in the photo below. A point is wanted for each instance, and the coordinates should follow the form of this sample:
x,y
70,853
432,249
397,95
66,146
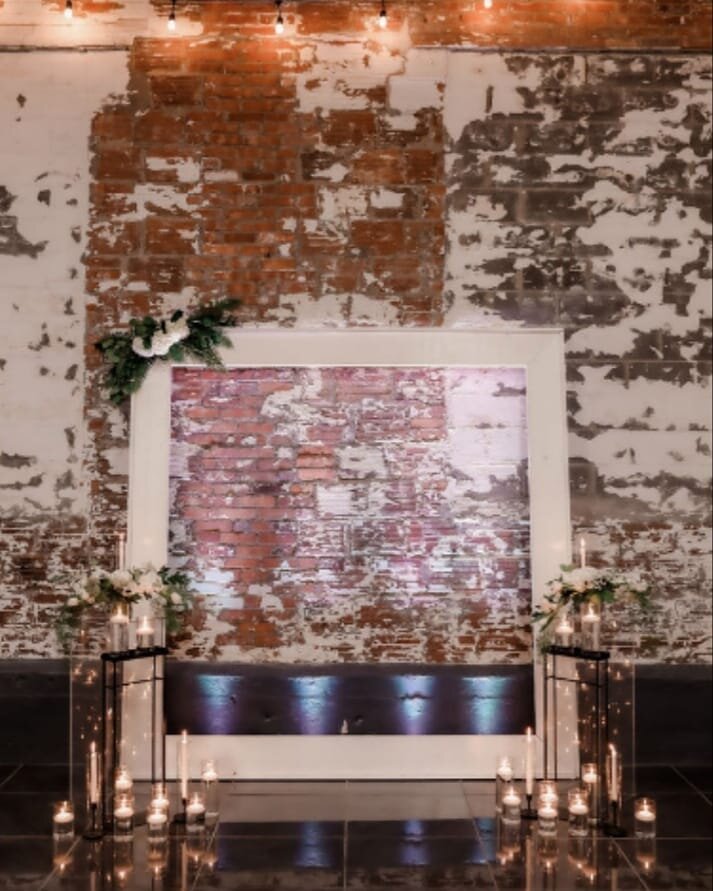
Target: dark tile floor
x,y
359,836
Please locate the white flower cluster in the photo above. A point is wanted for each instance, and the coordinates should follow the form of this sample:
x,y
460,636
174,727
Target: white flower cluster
x,y
583,579
163,340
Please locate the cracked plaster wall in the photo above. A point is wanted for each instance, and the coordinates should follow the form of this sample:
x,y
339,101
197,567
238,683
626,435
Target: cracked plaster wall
x,y
345,177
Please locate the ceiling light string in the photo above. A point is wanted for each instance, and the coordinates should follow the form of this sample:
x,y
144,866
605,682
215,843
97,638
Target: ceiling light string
x,y
171,23
68,10
279,21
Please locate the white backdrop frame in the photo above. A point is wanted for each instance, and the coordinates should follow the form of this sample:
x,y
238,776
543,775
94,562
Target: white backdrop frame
x,y
541,354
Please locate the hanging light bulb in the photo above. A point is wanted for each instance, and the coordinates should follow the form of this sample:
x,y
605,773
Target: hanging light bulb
x,y
68,11
383,18
488,4
171,23
279,21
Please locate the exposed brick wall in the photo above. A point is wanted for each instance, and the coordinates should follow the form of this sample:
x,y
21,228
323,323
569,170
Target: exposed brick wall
x,y
346,176
343,514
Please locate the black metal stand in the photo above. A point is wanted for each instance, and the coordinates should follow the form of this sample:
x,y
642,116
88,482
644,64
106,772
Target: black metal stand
x,y
594,732
94,830
114,685
528,812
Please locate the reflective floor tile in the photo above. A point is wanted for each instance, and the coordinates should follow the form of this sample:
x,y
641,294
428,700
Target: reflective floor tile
x,y
680,864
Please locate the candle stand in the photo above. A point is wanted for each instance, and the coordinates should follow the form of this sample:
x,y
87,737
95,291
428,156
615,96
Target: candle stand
x,y
132,690
588,709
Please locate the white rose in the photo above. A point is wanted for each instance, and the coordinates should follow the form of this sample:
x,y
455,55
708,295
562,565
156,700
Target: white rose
x,y
86,596
137,345
72,601
177,330
161,344
176,598
150,581
555,588
121,578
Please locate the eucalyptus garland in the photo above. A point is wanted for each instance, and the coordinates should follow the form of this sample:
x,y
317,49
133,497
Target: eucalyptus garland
x,y
130,354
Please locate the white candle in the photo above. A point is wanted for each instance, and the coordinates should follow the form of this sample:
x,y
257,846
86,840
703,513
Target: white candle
x,y
547,810
64,816
645,814
590,776
579,808
93,774
123,782
119,617
195,807
145,632
582,552
505,770
160,802
529,762
156,819
511,798
209,775
124,811
614,779
183,764
564,632
121,551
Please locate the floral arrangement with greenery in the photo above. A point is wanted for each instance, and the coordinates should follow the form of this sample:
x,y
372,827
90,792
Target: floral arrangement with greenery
x,y
577,586
167,590
130,354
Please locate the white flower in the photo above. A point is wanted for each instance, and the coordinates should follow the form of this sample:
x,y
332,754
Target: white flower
x,y
86,596
131,590
176,598
137,345
555,588
121,578
149,582
177,330
72,601
161,344
582,579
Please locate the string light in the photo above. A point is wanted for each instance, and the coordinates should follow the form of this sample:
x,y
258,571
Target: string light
x,y
171,24
488,4
279,21
68,11
383,18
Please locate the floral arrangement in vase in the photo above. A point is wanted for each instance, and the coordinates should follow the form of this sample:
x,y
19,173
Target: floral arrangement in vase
x,y
587,587
167,590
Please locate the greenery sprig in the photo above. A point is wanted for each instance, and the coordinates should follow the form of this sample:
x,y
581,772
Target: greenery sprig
x,y
168,591
130,354
577,586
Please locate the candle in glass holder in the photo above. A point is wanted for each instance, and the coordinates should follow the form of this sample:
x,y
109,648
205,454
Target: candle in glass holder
x,y
159,798
591,626
503,776
123,817
564,632
145,633
157,822
547,789
511,804
590,778
578,812
62,820
119,627
209,778
123,783
614,778
195,811
644,818
547,815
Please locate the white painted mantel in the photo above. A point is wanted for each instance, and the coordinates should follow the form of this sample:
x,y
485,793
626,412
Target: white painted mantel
x,y
541,354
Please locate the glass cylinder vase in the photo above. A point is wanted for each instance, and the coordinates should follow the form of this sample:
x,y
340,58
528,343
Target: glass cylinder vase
x,y
93,787
590,617
119,627
578,810
211,789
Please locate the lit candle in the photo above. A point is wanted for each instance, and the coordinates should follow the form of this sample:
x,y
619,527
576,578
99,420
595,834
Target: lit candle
x,y
195,806
65,814
529,762
564,632
145,632
210,774
591,622
614,774
511,798
93,774
124,809
156,819
119,625
589,774
645,814
183,764
121,551
159,800
123,781
505,769
582,552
